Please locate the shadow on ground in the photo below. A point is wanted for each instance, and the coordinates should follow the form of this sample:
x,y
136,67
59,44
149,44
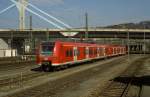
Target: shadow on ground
x,y
37,69
143,80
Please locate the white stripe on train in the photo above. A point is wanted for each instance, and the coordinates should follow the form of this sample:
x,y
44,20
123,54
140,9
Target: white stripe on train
x,y
84,60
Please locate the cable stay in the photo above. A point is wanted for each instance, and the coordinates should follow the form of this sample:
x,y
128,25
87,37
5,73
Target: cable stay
x,y
54,24
42,17
45,19
50,16
59,21
6,9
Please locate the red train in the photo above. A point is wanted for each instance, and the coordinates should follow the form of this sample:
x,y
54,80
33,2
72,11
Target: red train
x,y
51,54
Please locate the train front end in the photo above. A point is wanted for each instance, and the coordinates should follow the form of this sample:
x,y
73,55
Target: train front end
x,y
46,55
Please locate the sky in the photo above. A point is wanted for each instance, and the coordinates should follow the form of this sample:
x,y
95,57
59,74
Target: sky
x,y
72,12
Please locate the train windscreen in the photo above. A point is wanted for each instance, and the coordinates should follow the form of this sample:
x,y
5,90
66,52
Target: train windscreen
x,y
47,48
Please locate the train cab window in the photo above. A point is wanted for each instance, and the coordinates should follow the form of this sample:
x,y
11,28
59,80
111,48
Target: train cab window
x,y
47,48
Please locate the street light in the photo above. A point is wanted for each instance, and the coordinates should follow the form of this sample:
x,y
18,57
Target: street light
x,y
144,39
128,36
86,26
128,41
11,40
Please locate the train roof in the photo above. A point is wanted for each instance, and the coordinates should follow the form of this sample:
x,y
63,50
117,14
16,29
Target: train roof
x,y
80,44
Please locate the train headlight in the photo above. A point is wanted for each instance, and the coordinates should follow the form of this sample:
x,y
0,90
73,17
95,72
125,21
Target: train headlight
x,y
46,59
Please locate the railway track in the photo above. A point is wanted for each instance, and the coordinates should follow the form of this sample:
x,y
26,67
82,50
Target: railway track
x,y
13,65
120,86
18,72
53,87
16,68
10,60
20,77
57,84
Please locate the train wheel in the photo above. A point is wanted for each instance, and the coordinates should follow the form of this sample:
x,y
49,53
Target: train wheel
x,y
43,67
48,68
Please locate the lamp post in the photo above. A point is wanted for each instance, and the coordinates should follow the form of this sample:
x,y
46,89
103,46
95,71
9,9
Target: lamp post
x,y
31,36
47,35
144,39
86,26
128,41
30,23
10,41
128,36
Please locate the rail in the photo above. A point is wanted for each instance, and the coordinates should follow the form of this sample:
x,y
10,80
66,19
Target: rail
x,y
20,57
120,86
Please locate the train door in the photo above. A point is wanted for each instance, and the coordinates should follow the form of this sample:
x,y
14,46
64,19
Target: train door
x,y
87,52
124,50
113,50
75,51
98,52
104,51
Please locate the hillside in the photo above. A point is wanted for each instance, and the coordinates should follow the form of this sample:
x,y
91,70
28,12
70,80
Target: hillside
x,y
140,25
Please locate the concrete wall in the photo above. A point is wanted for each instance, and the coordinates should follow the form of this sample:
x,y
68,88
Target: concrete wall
x,y
3,44
5,51
8,53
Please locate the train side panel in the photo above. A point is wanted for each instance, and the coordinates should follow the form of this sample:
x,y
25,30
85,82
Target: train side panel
x,y
82,54
63,53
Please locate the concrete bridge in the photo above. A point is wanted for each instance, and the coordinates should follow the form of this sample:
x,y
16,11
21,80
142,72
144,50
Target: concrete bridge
x,y
20,39
92,33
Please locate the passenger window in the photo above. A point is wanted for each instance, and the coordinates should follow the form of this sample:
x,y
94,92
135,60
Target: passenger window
x,y
90,52
78,53
70,53
95,51
87,52
67,53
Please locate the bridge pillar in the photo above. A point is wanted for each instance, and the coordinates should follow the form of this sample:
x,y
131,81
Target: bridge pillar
x,y
21,9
